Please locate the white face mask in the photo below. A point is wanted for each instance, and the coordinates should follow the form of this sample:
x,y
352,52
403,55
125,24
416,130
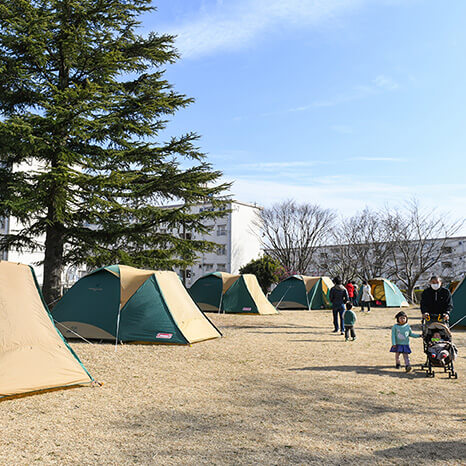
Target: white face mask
x,y
435,286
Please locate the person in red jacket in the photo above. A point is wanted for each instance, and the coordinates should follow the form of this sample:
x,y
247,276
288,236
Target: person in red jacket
x,y
350,289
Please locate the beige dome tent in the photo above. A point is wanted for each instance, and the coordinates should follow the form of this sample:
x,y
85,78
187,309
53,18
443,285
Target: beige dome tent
x,y
33,354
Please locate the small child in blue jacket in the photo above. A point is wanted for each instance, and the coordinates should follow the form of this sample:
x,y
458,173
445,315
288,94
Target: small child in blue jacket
x,y
401,332
349,319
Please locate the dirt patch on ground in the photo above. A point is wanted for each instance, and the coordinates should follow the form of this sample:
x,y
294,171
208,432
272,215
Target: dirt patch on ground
x,y
275,390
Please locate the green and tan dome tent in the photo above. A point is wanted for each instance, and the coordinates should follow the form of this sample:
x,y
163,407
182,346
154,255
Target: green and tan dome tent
x,y
458,314
33,354
385,293
126,304
231,294
302,292
207,291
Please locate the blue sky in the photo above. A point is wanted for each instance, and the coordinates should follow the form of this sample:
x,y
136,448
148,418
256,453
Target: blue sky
x,y
344,103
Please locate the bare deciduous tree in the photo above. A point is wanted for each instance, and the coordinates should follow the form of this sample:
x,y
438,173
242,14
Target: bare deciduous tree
x,y
291,232
340,262
364,248
414,251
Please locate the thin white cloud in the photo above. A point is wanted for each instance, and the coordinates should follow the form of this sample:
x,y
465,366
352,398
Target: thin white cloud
x,y
335,192
342,129
234,25
275,165
385,83
380,84
380,159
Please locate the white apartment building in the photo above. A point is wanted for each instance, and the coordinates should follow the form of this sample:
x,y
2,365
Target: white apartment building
x,y
452,265
11,225
236,233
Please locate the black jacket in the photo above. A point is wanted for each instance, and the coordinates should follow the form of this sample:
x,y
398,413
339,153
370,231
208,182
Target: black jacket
x,y
338,296
436,302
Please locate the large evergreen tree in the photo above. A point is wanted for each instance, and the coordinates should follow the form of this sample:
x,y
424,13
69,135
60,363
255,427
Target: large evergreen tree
x,y
83,101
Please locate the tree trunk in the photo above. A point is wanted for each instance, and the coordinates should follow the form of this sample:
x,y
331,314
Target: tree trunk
x,y
53,264
410,293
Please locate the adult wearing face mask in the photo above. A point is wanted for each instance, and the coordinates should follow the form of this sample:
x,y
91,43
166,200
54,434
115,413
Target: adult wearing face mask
x,y
436,300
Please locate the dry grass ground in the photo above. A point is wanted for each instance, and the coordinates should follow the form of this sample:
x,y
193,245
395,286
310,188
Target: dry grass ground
x,y
276,390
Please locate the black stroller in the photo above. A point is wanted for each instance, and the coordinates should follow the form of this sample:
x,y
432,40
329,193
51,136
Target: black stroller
x,y
441,353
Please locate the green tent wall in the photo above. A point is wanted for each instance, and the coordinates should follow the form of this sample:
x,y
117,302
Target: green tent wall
x,y
459,305
302,292
230,294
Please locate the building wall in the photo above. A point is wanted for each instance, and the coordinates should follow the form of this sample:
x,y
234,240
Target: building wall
x,y
238,243
245,243
452,265
3,231
219,260
235,233
32,258
12,225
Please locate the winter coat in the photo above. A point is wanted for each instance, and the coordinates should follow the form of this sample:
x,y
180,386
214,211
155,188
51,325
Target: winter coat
x,y
436,302
366,293
401,334
349,317
338,296
350,289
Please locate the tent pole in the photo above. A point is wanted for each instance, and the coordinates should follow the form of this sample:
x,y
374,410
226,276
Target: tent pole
x,y
279,302
72,331
118,328
457,322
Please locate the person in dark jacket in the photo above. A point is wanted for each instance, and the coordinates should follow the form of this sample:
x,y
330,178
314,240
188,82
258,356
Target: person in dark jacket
x,y
436,302
338,297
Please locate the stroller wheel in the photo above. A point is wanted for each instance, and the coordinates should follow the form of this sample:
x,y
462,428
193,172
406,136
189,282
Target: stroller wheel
x,y
455,375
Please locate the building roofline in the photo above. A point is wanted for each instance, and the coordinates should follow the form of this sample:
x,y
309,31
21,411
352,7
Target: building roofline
x,y
232,201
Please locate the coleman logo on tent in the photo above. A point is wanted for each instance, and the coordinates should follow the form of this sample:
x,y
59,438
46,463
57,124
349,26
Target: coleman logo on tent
x,y
164,335
246,308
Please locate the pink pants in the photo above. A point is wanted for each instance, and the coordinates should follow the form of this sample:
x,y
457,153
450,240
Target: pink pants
x,y
405,356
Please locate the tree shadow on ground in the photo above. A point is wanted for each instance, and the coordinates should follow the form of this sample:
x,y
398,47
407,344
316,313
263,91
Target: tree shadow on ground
x,y
267,326
320,341
435,451
376,370
288,333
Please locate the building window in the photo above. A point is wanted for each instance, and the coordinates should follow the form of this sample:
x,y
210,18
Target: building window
x,y
446,265
447,249
323,255
221,250
208,267
221,267
221,230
